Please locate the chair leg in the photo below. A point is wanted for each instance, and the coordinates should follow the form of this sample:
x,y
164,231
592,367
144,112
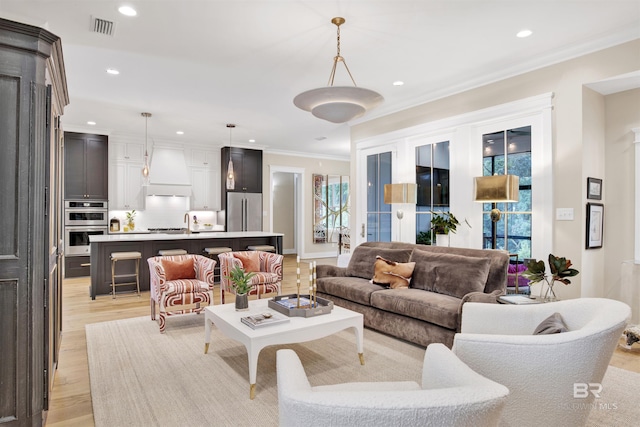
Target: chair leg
x,y
153,308
138,276
162,321
113,278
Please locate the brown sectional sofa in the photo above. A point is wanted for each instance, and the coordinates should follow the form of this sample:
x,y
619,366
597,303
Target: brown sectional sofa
x,y
430,309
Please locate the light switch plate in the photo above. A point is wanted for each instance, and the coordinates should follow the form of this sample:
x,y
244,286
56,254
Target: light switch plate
x,y
564,214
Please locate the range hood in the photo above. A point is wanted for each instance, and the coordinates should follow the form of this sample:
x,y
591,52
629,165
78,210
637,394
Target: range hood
x,y
168,173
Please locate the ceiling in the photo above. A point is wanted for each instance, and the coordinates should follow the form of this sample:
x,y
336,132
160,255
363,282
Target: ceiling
x,y
197,65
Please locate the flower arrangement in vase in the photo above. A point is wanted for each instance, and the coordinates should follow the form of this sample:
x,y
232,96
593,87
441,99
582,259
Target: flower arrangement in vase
x,y
560,272
131,219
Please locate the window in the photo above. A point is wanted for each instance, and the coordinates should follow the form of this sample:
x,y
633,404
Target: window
x,y
432,179
378,213
509,152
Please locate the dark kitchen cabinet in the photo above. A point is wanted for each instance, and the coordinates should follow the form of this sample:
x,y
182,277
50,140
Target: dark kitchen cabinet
x,y
86,167
247,169
33,94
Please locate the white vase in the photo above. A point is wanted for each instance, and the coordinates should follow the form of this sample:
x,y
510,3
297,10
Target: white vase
x,y
442,240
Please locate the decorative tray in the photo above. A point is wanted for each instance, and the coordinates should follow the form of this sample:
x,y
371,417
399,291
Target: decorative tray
x,y
287,304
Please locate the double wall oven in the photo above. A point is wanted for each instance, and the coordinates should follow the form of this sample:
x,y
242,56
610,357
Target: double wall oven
x,y
81,220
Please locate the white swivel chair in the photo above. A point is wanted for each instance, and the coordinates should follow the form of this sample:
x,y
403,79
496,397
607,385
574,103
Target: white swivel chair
x,y
451,395
497,341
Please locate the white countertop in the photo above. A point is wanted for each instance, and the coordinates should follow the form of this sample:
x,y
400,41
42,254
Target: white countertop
x,y
141,237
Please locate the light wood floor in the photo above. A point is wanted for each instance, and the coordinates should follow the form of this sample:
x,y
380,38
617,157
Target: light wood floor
x,y
70,403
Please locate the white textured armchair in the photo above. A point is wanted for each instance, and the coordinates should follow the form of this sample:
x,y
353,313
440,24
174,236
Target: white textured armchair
x,y
540,371
451,395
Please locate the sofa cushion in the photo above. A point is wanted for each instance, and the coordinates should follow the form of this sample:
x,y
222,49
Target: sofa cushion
x,y
395,274
449,274
350,288
174,270
431,307
363,259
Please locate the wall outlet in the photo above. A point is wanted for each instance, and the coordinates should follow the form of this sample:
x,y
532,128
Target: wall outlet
x,y
564,214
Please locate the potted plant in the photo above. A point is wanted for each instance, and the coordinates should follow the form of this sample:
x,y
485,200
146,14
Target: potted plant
x,y
442,223
241,284
560,272
131,223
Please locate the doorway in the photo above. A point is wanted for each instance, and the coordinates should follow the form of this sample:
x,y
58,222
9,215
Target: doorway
x,y
286,210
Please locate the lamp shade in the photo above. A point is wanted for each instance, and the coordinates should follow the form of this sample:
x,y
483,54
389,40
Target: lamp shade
x,y
338,104
400,193
497,188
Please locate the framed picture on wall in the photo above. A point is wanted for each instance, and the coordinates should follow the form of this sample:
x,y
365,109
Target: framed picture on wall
x,y
594,188
595,225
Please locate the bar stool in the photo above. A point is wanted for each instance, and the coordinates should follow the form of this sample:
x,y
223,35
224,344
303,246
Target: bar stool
x,y
125,256
263,248
168,252
213,254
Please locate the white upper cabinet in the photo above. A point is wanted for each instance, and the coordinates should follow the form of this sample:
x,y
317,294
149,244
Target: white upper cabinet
x,y
127,151
204,165
125,175
204,158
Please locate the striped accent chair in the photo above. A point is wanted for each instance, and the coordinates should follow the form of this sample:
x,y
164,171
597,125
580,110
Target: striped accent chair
x,y
189,293
268,276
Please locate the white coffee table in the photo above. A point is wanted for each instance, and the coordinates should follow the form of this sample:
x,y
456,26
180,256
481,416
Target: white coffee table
x,y
297,330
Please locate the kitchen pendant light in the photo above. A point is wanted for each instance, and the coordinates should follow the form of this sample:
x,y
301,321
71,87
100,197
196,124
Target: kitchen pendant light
x,y
231,182
338,104
145,168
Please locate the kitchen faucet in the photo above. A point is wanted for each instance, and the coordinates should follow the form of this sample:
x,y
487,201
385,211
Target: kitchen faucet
x,y
187,219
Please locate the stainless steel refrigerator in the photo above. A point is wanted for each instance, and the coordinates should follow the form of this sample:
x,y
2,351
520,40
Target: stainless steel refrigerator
x,y
244,211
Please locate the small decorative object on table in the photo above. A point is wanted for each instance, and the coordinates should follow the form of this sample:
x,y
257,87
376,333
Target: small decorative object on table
x,y
288,305
560,272
240,281
632,332
257,321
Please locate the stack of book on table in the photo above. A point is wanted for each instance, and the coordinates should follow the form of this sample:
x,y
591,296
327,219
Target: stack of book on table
x,y
261,320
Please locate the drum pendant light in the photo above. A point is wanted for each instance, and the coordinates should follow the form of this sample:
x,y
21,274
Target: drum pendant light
x,y
338,104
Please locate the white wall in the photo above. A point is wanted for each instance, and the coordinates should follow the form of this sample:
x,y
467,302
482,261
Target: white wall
x,y
621,116
566,81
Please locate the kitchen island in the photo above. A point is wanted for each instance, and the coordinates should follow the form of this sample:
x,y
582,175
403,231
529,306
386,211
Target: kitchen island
x,y
150,243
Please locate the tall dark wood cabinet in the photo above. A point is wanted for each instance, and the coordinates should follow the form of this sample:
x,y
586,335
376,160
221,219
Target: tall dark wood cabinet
x,y
86,166
247,169
33,94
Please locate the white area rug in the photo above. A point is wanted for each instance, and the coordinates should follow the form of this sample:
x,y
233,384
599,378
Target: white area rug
x,y
142,378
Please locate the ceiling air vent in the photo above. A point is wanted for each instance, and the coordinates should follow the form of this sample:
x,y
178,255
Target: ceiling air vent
x,y
102,26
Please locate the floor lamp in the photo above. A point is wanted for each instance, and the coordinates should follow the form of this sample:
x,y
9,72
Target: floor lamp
x,y
400,193
496,189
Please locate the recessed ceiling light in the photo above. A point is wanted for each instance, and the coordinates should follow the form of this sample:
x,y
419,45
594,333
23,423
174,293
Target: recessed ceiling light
x,y
524,33
252,140
91,123
113,71
127,11
180,132
398,83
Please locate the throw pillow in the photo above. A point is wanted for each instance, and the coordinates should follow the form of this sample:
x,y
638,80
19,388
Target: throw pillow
x,y
551,325
364,257
250,260
449,274
395,274
174,270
